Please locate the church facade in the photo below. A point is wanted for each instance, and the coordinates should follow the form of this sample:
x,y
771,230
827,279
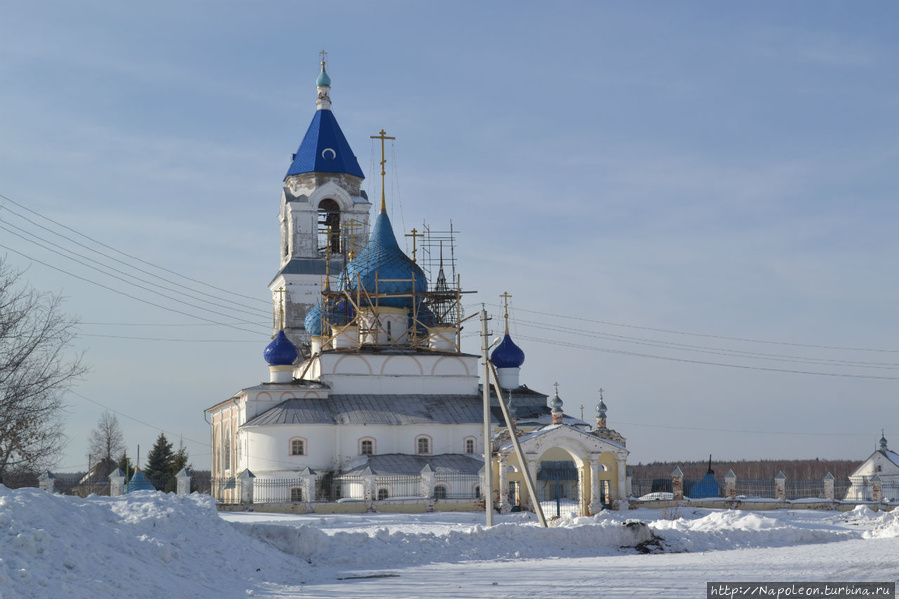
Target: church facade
x,y
370,397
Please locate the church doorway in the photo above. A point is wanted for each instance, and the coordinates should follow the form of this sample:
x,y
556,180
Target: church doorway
x,y
558,488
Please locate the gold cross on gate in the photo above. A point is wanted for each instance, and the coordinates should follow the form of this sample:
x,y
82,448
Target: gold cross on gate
x,y
413,235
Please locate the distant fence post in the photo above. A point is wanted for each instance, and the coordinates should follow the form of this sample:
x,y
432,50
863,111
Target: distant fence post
x,y
183,478
828,487
877,490
730,485
308,475
369,482
246,479
47,482
116,483
780,486
677,483
427,481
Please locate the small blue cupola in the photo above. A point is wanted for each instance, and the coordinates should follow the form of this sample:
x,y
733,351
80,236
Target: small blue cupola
x,y
280,354
507,357
507,354
138,482
281,351
324,148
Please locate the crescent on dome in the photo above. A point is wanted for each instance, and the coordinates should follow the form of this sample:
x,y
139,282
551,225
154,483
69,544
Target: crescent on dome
x,y
329,154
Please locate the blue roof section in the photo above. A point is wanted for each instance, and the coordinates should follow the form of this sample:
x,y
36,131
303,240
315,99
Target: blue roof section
x,y
324,149
382,259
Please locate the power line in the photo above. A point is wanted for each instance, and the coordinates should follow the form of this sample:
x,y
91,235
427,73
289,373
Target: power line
x,y
707,363
673,332
124,280
100,243
128,295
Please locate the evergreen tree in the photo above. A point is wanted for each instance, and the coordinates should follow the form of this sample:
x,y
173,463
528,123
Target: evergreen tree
x,y
126,466
159,462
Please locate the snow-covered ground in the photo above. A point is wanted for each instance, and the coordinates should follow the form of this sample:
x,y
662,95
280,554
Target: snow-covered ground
x,y
150,545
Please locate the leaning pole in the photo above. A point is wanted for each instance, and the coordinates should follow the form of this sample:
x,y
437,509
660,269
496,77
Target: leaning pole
x,y
488,449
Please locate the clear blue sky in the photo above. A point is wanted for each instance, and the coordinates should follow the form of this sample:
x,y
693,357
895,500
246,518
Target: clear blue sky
x,y
723,170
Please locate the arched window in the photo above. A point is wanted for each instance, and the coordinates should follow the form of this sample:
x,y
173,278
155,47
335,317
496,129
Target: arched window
x,y
423,445
440,492
296,494
366,447
297,447
477,491
329,225
469,445
383,494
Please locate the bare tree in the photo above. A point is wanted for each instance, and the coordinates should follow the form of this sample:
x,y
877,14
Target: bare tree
x,y
106,443
36,369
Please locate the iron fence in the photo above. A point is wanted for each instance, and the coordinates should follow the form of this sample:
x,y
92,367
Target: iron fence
x,y
662,488
391,487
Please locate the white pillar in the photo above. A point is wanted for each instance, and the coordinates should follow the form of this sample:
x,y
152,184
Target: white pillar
x,y
246,479
47,482
828,486
116,483
503,465
622,482
595,504
183,477
730,485
780,486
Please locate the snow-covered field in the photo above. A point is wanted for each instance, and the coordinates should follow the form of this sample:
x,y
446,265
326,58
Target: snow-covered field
x,y
150,545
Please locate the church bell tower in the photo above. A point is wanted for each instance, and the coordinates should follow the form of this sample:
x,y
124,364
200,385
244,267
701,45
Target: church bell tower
x,y
323,216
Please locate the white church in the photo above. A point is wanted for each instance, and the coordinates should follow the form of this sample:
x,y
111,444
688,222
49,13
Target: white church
x,y
370,399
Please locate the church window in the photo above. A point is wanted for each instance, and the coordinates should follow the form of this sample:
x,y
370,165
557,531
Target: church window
x,y
423,445
469,446
296,494
383,494
329,225
226,453
440,492
297,447
878,468
477,491
366,447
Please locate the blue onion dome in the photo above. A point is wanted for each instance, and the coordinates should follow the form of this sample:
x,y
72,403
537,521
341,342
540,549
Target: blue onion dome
x,y
313,320
383,261
323,79
507,354
281,351
556,404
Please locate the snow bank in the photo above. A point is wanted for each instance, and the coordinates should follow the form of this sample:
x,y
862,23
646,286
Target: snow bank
x,y
145,545
149,545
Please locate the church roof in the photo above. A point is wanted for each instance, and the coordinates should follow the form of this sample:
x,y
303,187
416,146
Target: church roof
x,y
324,149
375,409
404,464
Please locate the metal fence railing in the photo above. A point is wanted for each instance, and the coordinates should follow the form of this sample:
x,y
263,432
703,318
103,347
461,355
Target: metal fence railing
x,y
745,488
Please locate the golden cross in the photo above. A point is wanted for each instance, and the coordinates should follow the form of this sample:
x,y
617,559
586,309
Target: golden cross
x,y
556,385
323,53
582,411
413,235
505,295
382,136
600,394
281,293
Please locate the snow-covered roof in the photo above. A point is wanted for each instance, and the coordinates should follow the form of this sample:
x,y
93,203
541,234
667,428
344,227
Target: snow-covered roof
x,y
375,409
404,464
